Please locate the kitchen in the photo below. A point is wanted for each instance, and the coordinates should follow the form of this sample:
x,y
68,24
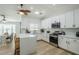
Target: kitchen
x,y
42,28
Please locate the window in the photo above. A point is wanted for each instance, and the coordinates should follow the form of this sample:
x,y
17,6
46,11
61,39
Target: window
x,y
10,28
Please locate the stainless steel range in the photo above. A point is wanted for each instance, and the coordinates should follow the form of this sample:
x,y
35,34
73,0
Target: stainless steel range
x,y
54,37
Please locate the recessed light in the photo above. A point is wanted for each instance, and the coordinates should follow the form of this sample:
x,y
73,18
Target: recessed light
x,y
37,12
31,8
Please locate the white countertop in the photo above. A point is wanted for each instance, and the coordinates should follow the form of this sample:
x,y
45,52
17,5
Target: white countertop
x,y
70,36
26,35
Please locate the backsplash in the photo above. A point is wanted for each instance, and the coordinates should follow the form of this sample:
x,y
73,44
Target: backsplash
x,y
68,31
71,31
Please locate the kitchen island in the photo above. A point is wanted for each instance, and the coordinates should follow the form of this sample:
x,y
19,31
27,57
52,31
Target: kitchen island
x,y
27,44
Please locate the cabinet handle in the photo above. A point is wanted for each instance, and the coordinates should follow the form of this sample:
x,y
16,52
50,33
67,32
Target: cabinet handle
x,y
69,43
66,41
74,40
74,25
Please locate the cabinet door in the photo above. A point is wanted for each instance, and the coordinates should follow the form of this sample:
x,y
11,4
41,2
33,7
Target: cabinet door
x,y
47,37
62,21
46,23
69,19
49,22
74,45
62,42
76,17
42,24
55,19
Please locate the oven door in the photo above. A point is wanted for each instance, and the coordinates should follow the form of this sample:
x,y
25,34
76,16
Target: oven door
x,y
53,39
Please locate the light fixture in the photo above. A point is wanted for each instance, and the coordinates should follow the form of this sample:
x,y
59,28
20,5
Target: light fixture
x,y
40,12
37,12
23,11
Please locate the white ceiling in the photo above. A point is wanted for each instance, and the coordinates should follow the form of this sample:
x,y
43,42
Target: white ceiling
x,y
47,10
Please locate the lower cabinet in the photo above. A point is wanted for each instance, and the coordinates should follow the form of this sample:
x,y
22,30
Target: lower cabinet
x,y
45,37
62,42
69,44
74,46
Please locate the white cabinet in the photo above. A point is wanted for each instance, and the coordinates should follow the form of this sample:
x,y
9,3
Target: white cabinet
x,y
69,19
62,21
76,17
55,19
45,37
42,24
46,23
74,45
49,22
69,44
62,42
77,46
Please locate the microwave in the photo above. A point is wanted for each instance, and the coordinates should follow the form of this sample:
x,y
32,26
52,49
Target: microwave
x,y
55,25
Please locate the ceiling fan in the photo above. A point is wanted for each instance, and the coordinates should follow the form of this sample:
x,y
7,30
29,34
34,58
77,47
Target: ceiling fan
x,y
23,11
2,18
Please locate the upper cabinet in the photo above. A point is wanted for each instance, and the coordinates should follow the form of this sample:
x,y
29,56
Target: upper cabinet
x,y
46,23
62,21
55,19
76,18
43,24
69,20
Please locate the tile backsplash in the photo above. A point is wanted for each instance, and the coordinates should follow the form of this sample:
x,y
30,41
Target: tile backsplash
x,y
68,31
71,31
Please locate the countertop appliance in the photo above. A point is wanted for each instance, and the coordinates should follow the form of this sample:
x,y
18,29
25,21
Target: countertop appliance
x,y
77,34
53,38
